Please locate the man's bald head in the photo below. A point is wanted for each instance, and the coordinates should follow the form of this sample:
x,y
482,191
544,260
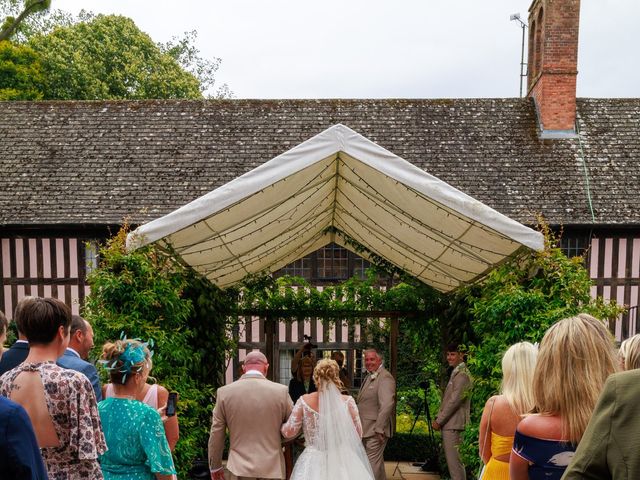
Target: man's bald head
x,y
256,360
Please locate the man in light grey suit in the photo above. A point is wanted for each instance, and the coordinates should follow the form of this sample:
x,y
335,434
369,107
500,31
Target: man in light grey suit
x,y
376,403
454,411
253,409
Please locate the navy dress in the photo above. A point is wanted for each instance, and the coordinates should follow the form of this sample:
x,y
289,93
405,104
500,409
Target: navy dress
x,y
548,458
19,453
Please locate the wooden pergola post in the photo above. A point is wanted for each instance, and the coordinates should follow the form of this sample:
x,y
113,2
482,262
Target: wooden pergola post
x,y
393,346
270,334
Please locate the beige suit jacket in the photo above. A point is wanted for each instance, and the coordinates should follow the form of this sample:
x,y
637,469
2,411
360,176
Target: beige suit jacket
x,y
376,403
456,404
253,409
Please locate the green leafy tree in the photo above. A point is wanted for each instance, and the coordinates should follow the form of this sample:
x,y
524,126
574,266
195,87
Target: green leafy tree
x,y
108,57
12,24
20,73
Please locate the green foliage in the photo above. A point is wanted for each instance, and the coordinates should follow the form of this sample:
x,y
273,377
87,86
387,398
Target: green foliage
x,y
20,73
127,63
295,296
108,57
12,24
517,302
147,294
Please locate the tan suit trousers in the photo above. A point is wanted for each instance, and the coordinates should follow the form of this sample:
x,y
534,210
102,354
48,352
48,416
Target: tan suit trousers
x,y
450,441
375,452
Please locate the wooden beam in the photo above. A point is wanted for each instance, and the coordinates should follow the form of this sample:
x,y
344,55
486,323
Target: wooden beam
x,y
283,314
393,346
270,330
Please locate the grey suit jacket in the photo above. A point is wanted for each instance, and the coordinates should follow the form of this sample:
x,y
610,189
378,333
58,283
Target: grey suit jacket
x,y
610,446
376,404
73,362
455,408
253,409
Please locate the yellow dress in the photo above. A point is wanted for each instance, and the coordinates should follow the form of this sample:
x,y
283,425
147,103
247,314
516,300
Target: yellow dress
x,y
497,469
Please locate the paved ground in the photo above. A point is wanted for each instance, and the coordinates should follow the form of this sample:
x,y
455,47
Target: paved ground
x,y
396,471
406,471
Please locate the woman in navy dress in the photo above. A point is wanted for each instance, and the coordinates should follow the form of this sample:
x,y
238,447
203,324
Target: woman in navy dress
x,y
576,356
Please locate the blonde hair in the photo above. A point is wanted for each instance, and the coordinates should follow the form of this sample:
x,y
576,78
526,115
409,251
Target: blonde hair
x,y
116,365
518,366
576,356
327,371
630,352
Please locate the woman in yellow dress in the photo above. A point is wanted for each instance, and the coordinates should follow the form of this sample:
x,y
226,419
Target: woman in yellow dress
x,y
503,412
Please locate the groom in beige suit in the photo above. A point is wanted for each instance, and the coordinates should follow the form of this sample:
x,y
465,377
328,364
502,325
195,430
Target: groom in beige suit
x,y
454,411
253,409
376,403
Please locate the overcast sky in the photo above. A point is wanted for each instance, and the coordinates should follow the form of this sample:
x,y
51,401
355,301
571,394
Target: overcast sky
x,y
382,48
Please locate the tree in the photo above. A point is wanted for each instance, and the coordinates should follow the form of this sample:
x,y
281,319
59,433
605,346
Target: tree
x,y
183,50
20,73
108,57
12,24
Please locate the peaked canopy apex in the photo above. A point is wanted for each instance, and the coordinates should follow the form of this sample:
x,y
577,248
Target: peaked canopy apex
x,y
336,187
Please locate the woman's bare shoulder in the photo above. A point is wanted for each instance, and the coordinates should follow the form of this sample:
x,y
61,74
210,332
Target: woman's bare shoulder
x,y
541,426
496,402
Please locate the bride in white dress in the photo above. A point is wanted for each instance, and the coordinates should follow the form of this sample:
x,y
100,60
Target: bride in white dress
x,y
332,431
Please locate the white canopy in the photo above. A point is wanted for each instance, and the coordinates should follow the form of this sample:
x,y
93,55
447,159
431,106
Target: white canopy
x,y
334,187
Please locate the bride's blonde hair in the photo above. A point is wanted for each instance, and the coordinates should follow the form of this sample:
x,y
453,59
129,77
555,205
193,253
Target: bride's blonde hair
x,y
327,371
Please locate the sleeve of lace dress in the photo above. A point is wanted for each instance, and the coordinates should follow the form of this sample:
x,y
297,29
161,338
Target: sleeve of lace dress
x,y
292,426
355,415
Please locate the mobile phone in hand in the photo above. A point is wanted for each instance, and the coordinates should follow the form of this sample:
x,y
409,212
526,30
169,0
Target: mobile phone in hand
x,y
171,404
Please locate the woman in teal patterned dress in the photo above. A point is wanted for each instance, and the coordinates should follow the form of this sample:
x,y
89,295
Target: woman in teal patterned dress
x,y
137,444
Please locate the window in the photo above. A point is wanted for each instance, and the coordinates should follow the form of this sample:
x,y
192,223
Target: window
x,y
299,268
285,366
333,263
91,254
574,246
329,264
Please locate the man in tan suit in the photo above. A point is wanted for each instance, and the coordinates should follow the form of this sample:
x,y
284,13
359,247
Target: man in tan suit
x,y
253,409
376,403
454,411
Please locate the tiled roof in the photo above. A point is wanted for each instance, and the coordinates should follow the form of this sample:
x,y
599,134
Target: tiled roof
x,y
98,162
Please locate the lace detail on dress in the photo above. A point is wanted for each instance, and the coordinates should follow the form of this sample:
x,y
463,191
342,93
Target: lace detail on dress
x,y
321,460
305,417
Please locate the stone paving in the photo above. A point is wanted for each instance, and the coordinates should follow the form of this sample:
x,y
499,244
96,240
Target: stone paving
x,y
406,471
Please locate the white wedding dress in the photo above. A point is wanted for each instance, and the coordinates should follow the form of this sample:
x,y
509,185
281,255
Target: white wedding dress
x,y
334,448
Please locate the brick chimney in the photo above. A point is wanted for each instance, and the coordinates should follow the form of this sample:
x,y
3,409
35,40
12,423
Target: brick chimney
x,y
553,65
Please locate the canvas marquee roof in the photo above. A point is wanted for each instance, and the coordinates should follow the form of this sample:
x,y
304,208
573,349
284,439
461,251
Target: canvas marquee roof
x,y
334,186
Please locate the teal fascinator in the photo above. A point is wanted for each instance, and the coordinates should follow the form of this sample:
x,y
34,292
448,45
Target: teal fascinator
x,y
132,359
